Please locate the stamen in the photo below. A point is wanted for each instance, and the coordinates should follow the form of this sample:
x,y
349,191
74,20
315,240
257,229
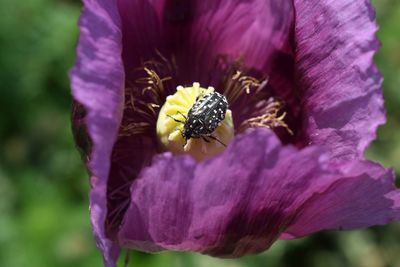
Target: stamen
x,y
270,119
247,91
238,83
145,113
247,82
153,83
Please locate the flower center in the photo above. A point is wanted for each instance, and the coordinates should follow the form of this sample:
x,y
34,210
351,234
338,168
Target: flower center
x,y
196,121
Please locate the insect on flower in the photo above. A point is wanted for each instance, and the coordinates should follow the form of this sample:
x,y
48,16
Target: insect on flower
x,y
204,117
293,163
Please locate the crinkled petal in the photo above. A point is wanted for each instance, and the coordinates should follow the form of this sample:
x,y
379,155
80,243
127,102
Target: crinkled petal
x,y
341,87
364,195
210,207
241,201
97,81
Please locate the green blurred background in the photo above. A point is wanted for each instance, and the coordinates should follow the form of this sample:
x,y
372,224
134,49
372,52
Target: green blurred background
x,y
43,185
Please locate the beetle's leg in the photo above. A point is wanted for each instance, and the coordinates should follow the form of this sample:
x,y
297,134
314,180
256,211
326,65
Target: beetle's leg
x,y
186,140
216,139
183,135
205,139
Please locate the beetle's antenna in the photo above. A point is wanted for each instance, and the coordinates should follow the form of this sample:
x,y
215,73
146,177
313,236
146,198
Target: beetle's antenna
x,y
183,115
175,119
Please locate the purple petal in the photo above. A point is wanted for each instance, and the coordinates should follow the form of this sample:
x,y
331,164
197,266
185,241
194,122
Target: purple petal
x,y
241,201
341,87
252,30
140,32
97,82
210,207
197,32
364,196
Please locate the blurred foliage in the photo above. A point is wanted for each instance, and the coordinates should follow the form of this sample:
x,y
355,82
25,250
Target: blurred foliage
x,y
43,184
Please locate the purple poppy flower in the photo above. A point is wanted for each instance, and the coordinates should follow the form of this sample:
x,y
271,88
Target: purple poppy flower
x,y
304,102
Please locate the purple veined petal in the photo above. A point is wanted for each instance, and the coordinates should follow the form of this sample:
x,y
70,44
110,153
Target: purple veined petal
x,y
196,32
140,33
243,200
341,87
97,82
363,197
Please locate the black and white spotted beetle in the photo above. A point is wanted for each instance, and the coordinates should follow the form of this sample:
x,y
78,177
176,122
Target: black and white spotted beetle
x,y
204,117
